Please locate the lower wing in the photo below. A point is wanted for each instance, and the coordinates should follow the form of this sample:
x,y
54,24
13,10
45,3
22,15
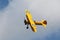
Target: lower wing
x,y
31,22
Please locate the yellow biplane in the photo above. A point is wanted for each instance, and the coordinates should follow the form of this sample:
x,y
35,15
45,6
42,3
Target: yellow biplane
x,y
32,22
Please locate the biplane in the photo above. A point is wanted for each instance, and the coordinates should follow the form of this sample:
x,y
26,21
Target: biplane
x,y
33,23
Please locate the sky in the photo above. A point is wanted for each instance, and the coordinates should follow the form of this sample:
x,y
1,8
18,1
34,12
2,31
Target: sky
x,y
12,16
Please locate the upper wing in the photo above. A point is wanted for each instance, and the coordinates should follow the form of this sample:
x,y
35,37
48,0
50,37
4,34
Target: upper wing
x,y
31,22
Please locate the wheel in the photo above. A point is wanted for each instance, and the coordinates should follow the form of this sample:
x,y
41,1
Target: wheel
x,y
27,27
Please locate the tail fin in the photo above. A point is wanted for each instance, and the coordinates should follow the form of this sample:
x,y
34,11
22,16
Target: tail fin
x,y
44,23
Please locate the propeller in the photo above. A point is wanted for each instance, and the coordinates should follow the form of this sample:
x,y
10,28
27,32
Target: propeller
x,y
25,21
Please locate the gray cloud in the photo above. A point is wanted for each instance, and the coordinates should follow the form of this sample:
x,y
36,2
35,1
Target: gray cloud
x,y
13,28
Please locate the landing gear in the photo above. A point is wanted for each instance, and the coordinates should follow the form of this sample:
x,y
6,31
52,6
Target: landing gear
x,y
26,23
27,26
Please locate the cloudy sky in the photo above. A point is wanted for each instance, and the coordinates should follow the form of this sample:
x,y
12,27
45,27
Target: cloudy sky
x,y
12,19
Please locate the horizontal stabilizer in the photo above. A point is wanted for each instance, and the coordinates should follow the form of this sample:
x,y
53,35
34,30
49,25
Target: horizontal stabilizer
x,y
44,23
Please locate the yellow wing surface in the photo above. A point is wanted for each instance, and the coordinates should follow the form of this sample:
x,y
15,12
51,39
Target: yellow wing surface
x,y
31,22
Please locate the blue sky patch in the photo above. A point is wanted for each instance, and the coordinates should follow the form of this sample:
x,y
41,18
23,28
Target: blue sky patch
x,y
3,4
53,36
